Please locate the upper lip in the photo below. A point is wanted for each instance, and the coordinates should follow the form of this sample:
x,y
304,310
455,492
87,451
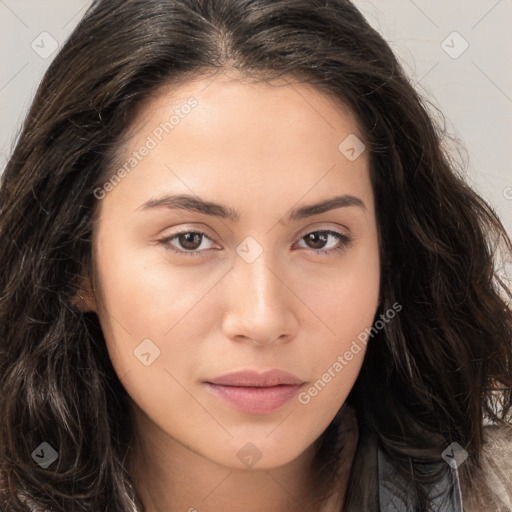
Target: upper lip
x,y
251,378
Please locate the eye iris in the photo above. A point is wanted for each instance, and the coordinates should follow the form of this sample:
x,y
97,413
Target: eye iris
x,y
317,237
186,237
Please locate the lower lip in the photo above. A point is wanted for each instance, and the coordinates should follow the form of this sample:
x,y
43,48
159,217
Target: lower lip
x,y
255,400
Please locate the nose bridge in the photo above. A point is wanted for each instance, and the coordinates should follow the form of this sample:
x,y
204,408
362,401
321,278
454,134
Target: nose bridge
x,y
263,289
258,301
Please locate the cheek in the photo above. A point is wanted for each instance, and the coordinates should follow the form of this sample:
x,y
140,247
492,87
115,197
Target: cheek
x,y
142,298
143,293
345,308
150,323
347,311
346,298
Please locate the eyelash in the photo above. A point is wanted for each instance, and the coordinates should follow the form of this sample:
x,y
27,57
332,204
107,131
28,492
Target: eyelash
x,y
345,240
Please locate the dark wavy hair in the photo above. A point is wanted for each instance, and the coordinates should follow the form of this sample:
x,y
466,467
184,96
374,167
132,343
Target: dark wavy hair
x,y
429,377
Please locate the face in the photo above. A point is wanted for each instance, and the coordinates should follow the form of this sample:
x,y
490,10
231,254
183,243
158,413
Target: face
x,y
258,281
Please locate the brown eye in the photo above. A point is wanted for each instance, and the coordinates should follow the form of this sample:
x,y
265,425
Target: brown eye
x,y
187,242
190,241
316,240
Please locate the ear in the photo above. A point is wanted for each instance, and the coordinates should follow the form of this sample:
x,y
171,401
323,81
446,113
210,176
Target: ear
x,y
84,298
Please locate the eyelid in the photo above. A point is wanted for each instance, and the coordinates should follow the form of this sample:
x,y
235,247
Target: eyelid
x,y
319,226
342,230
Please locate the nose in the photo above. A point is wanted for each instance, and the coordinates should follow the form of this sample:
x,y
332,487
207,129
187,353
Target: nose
x,y
260,303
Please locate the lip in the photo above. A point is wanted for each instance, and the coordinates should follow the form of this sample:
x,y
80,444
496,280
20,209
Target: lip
x,y
253,378
256,393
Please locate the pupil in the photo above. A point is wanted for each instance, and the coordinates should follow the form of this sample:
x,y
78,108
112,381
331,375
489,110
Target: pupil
x,y
187,243
320,236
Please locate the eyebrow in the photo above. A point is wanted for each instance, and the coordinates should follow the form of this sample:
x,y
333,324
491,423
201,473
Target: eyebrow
x,y
196,204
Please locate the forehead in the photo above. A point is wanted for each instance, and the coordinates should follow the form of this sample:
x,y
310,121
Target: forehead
x,y
235,99
223,137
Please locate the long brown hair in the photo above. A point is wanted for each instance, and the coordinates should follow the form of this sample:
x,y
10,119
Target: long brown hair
x,y
428,377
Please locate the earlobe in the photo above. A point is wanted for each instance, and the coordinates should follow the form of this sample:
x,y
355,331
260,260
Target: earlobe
x,y
84,299
85,302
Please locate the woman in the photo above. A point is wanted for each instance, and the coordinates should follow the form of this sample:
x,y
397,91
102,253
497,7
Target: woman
x,y
241,272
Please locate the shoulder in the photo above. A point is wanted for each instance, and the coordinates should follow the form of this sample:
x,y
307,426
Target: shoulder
x,y
491,488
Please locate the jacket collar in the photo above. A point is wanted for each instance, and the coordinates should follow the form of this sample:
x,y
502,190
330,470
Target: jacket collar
x,y
446,494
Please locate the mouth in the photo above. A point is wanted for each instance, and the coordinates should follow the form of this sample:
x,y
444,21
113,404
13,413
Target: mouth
x,y
255,400
255,393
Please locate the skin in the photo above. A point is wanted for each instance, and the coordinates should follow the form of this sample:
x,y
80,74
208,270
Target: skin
x,y
262,150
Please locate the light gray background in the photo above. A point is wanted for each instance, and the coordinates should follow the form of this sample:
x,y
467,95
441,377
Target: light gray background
x,y
473,89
